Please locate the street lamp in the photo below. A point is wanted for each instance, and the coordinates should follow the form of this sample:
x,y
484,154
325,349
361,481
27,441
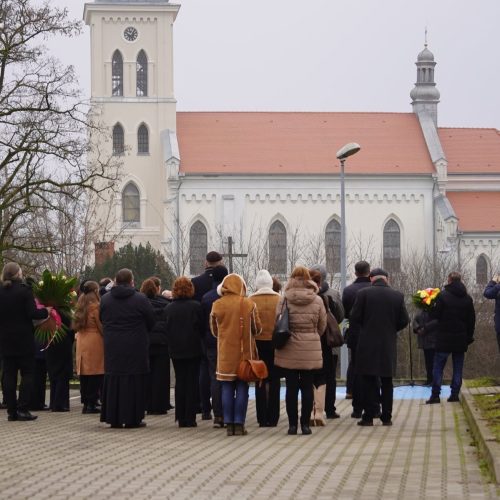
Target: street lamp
x,y
343,153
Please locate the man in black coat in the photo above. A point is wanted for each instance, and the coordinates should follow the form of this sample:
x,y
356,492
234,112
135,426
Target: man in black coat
x,y
127,316
454,312
17,341
380,313
203,284
492,291
353,383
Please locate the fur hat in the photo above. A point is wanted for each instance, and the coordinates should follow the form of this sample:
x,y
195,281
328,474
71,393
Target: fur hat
x,y
263,280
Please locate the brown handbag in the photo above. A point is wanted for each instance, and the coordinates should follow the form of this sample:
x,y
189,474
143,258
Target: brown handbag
x,y
332,333
250,370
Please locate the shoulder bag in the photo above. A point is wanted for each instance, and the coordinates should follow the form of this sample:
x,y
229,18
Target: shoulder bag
x,y
281,332
333,334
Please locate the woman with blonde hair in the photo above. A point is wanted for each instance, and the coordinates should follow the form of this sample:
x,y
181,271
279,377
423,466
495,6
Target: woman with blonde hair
x,y
89,346
301,356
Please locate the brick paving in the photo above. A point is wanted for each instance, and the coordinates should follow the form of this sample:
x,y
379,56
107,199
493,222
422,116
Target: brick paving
x,y
427,453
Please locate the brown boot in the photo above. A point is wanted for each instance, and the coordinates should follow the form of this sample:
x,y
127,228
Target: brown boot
x,y
230,429
239,430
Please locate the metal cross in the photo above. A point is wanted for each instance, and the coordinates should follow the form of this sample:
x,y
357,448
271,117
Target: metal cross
x,y
230,253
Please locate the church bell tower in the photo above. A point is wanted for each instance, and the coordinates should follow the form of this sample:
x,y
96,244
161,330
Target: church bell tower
x,y
132,92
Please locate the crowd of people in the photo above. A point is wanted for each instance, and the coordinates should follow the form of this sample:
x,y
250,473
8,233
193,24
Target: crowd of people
x,y
126,339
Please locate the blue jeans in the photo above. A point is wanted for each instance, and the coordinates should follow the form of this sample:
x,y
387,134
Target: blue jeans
x,y
440,359
234,401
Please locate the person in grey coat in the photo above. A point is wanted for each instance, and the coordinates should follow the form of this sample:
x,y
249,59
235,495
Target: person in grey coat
x,y
379,312
492,291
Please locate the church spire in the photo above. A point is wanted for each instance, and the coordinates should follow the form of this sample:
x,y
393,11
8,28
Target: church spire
x,y
425,95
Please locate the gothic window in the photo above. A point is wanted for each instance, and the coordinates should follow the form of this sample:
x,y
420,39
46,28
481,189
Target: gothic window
x,y
142,140
481,270
117,74
198,244
131,203
277,248
118,140
142,74
392,246
332,246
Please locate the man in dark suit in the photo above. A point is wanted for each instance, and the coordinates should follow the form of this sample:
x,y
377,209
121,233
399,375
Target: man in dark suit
x,y
379,312
353,384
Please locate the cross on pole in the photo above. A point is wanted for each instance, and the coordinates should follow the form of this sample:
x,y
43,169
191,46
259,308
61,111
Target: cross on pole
x,y
230,253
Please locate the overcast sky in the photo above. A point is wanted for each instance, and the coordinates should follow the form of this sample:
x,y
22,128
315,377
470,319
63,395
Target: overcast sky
x,y
327,55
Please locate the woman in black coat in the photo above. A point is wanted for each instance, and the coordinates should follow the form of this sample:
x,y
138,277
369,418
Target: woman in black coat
x,y
185,330
425,328
17,342
158,388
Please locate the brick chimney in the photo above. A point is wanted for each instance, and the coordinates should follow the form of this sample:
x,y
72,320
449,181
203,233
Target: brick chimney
x,y
104,250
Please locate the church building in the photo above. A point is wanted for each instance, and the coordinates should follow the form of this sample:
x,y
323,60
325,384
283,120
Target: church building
x,y
270,181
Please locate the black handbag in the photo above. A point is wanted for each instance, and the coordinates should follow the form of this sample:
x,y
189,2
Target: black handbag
x,y
281,332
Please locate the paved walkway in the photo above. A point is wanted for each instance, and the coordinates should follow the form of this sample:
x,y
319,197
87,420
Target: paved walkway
x,y
426,454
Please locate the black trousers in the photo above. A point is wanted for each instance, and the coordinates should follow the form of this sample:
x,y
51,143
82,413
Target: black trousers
x,y
59,394
267,395
204,385
186,389
295,380
357,390
215,385
373,394
330,368
39,385
349,381
429,363
11,366
158,397
91,389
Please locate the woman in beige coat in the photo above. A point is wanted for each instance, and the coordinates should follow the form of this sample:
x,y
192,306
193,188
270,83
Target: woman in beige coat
x,y
89,346
234,320
301,355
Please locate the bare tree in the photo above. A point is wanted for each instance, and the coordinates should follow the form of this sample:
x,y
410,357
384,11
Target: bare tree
x,y
44,127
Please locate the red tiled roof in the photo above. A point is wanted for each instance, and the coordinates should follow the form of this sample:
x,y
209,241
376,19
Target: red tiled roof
x,y
300,143
471,150
476,211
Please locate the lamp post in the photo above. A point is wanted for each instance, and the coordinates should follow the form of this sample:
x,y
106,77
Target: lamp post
x,y
343,153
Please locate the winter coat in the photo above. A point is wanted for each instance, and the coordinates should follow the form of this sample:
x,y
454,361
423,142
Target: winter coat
x,y
235,338
348,299
127,318
336,308
266,301
492,291
425,328
307,322
456,317
202,283
90,345
185,328
379,312
206,304
158,335
17,312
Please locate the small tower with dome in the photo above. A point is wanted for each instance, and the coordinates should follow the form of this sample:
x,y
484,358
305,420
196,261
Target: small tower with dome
x,y
425,95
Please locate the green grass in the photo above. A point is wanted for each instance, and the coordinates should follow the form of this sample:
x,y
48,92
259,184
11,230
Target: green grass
x,y
489,405
482,382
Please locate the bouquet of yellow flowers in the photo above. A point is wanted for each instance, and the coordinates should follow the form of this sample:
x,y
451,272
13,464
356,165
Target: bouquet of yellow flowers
x,y
425,299
57,291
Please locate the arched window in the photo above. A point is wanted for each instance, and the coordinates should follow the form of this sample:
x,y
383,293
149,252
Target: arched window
x,y
142,74
332,246
392,246
118,140
198,243
117,74
131,203
481,270
142,140
277,248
